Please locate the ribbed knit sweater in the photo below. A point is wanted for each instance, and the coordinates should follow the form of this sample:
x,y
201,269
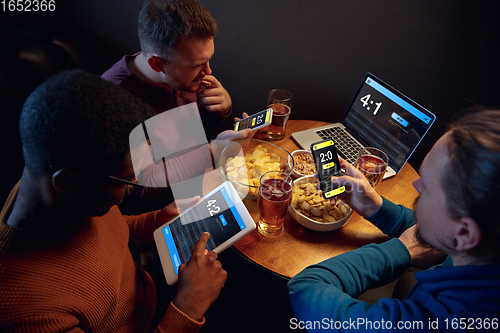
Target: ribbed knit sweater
x,y
82,280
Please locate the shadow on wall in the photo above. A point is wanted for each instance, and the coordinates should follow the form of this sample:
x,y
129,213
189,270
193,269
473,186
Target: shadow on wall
x,y
27,58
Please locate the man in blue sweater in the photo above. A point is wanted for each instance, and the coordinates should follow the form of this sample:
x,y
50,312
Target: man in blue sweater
x,y
456,219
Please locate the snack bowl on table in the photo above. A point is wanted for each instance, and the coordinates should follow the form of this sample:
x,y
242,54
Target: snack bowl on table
x,y
242,162
341,210
303,163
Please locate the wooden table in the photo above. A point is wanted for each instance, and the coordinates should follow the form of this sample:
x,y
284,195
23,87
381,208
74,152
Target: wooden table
x,y
299,247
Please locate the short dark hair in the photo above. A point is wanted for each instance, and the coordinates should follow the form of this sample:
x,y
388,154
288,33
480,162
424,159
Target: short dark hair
x,y
472,178
79,121
163,24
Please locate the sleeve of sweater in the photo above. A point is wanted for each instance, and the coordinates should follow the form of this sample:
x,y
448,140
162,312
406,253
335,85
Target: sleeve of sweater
x,y
212,122
141,229
175,320
186,166
328,290
392,219
190,164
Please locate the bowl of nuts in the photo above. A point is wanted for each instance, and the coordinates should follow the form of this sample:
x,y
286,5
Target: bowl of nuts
x,y
303,163
310,210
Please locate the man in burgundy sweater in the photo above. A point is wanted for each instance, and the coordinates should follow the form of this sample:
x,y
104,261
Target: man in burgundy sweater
x,y
173,67
171,70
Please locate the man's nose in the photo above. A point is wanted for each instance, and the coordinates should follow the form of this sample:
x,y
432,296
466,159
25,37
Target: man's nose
x,y
206,69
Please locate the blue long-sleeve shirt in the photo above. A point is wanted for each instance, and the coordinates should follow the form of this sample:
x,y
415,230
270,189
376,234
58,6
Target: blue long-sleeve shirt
x,y
446,298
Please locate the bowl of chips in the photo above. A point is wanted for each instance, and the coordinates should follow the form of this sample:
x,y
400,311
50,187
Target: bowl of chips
x,y
310,210
303,163
242,162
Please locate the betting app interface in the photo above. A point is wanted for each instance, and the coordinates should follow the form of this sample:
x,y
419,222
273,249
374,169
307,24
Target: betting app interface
x,y
382,118
327,164
215,214
256,120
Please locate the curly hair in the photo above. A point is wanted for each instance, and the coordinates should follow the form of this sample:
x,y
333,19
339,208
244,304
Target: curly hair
x,y
472,178
163,24
80,121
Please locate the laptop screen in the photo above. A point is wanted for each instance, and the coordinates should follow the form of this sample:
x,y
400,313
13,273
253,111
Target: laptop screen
x,y
380,116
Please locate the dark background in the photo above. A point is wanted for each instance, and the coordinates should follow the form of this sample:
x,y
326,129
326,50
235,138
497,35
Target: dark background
x,y
444,54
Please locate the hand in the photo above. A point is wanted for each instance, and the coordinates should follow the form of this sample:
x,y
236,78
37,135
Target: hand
x,y
212,96
245,115
422,256
224,138
175,208
359,194
200,281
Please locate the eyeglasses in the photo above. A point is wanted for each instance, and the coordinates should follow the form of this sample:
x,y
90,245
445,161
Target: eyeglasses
x,y
132,186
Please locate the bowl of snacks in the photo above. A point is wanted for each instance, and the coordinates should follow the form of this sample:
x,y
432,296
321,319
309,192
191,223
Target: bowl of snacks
x,y
310,210
242,162
303,163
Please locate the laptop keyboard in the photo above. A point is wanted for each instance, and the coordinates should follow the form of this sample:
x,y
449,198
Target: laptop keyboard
x,y
347,148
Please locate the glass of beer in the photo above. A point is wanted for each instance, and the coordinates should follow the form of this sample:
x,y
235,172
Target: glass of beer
x,y
275,194
281,102
372,163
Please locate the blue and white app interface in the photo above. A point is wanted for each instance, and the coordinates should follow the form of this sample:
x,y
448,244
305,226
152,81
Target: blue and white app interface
x,y
215,214
387,122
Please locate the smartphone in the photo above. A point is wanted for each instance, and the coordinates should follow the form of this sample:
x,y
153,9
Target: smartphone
x,y
255,121
327,165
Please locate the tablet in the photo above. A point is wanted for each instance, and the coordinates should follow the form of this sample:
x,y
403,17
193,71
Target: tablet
x,y
221,213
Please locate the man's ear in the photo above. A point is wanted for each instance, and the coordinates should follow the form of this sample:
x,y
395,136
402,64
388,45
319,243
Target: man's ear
x,y
69,182
156,63
468,234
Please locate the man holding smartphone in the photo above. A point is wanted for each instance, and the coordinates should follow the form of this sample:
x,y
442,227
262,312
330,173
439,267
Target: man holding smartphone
x,y
455,220
173,70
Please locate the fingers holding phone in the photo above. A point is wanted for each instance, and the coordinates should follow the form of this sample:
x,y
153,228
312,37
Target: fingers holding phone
x,y
256,121
244,115
327,165
358,194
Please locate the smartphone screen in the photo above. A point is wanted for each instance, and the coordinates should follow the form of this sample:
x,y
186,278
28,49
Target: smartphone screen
x,y
215,214
258,120
327,165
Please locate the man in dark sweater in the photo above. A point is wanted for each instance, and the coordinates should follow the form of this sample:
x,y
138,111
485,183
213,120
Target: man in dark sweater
x,y
456,218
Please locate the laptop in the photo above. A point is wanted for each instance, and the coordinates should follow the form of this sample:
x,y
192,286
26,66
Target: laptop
x,y
378,116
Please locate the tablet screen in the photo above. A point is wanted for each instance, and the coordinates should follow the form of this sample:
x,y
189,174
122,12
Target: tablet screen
x,y
215,214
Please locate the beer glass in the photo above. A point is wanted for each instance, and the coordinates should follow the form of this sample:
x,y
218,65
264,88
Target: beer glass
x,y
372,163
281,102
275,194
